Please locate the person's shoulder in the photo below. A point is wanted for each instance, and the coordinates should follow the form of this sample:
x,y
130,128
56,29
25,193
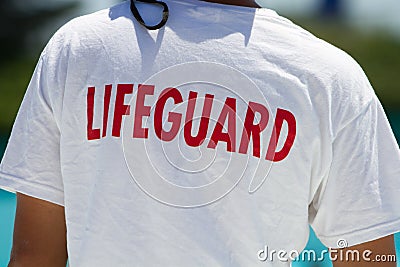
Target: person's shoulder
x,y
327,71
320,60
90,30
304,46
340,72
100,20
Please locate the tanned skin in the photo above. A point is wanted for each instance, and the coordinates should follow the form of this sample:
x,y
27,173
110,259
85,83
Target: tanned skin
x,y
40,232
373,251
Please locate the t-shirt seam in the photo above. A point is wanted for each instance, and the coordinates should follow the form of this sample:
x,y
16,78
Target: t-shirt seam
x,y
327,174
366,229
14,179
354,118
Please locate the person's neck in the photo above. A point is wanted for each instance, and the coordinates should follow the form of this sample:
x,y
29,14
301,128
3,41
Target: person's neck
x,y
246,3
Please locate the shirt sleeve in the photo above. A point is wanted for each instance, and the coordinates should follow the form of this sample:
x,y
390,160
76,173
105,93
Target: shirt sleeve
x,y
358,200
31,163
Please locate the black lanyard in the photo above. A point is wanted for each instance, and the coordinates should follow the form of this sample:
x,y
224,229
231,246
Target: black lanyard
x,y
139,18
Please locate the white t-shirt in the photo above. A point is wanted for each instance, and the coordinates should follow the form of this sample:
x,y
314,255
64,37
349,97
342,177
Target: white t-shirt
x,y
295,136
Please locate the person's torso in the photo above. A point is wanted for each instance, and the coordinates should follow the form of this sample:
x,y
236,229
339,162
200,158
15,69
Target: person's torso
x,y
198,144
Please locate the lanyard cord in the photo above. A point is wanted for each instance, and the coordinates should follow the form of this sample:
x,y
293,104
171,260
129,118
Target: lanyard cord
x,y
139,18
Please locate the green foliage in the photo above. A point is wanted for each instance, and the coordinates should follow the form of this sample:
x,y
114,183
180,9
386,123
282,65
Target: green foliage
x,y
19,21
14,78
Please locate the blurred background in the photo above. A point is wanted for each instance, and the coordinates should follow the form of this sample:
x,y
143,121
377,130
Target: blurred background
x,y
367,30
